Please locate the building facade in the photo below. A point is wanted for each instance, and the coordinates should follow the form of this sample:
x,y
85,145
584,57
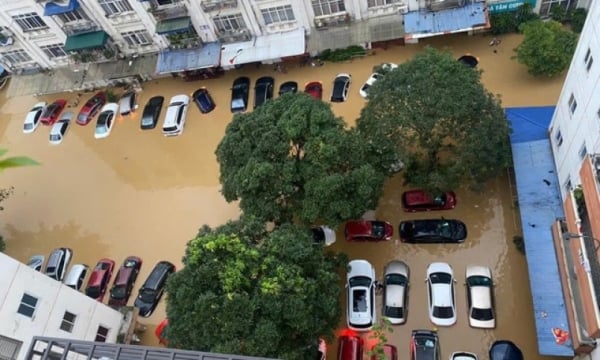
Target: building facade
x,y
32,304
574,135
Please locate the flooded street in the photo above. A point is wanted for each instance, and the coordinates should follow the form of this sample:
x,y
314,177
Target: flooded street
x,y
139,193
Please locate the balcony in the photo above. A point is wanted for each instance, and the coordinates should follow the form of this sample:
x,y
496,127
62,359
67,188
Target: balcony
x,y
234,36
436,5
338,19
165,12
80,27
218,5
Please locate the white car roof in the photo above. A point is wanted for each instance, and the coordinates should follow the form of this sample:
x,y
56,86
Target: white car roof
x,y
481,297
114,107
180,98
442,295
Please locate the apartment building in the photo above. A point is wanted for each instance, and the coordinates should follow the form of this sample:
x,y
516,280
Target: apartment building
x,y
575,139
32,304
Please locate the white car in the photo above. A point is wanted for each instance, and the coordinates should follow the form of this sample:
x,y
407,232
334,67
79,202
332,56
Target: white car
x,y
441,297
175,117
106,120
364,90
389,66
395,292
59,129
361,295
323,235
32,120
36,262
480,298
463,355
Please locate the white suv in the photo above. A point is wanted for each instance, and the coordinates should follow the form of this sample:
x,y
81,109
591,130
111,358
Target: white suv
x,y
361,295
175,117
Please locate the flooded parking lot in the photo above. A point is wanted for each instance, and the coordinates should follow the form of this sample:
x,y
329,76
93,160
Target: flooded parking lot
x,y
139,193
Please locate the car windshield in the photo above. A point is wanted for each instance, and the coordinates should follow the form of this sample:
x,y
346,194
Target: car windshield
x,y
440,278
82,117
170,129
238,104
54,137
443,312
240,86
360,281
118,292
395,279
394,312
28,126
93,291
51,269
366,87
147,295
130,263
478,280
482,314
177,103
378,229
50,109
359,303
104,117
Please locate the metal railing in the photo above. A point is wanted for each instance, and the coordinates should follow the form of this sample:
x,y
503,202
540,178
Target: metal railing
x,y
214,5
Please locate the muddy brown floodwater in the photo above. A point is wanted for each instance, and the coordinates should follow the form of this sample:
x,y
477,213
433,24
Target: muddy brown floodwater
x,y
138,193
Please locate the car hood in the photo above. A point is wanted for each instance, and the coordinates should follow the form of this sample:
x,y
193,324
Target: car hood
x,y
361,268
144,307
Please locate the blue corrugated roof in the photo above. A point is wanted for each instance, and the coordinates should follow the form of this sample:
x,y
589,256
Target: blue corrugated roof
x,y
450,20
539,204
209,55
53,9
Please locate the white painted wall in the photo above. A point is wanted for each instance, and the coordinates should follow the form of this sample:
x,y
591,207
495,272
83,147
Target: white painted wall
x,y
54,299
583,126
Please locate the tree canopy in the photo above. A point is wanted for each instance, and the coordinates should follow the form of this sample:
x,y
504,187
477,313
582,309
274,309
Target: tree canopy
x,y
291,159
547,47
247,291
434,114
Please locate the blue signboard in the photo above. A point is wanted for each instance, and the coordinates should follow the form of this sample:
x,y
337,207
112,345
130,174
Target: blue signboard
x,y
507,6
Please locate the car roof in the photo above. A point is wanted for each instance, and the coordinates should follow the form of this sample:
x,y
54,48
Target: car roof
x,y
476,270
124,275
416,197
361,268
359,227
505,350
481,297
442,295
96,277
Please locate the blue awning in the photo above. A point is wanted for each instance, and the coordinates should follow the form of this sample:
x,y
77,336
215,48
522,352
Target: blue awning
x,y
171,61
420,24
53,9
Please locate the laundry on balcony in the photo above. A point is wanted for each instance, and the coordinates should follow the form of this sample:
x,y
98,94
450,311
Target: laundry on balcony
x,y
89,40
207,56
52,8
170,26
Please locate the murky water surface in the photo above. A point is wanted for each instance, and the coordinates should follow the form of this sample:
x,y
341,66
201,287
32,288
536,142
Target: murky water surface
x,y
138,193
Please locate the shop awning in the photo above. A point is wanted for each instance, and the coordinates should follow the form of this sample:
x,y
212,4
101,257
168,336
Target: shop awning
x,y
207,56
170,26
52,8
422,24
84,41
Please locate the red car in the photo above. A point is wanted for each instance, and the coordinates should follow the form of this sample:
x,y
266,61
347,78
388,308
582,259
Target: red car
x,y
159,332
124,281
90,108
420,200
314,89
98,282
52,112
368,230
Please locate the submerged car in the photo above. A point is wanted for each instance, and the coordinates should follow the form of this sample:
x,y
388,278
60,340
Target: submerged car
x,y
424,345
395,292
99,280
480,299
288,87
153,288
176,113
59,129
505,350
368,230
36,262
433,231
106,120
420,200
124,281
364,90
463,355
441,297
323,235
151,112
314,89
360,283
263,90
32,119
128,103
341,85
203,100
57,264
76,276
239,94
350,347
52,111
90,108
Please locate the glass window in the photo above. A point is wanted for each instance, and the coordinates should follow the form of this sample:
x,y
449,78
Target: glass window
x,y
114,7
588,59
54,51
278,14
68,322
572,104
101,334
30,22
558,137
229,23
328,7
136,38
75,15
582,151
375,3
27,306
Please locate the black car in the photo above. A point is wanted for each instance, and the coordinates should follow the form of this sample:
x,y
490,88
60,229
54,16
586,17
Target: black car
x,y
433,231
203,100
263,90
288,87
152,112
505,350
341,85
424,345
239,94
153,288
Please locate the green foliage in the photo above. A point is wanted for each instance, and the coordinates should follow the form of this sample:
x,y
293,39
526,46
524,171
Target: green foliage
x,y
558,13
577,19
111,96
292,160
503,23
247,291
547,47
2,244
16,161
344,54
524,14
379,336
434,114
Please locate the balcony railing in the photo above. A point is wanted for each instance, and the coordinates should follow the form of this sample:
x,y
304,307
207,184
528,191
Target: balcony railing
x,y
338,19
217,5
169,11
234,36
79,27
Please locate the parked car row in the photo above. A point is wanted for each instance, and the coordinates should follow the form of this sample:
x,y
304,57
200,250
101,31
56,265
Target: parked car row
x,y
424,345
362,285
411,231
98,283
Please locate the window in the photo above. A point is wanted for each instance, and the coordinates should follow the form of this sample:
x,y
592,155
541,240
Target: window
x,y
138,37
16,57
229,23
101,334
375,3
27,306
75,15
114,7
54,51
582,151
9,348
164,2
278,14
30,22
68,322
572,104
568,185
558,137
588,59
328,7
547,5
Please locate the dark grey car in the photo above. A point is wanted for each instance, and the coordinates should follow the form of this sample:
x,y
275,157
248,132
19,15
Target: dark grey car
x,y
433,231
152,112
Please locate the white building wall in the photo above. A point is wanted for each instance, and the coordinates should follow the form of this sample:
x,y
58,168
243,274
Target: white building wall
x,y
301,17
583,125
54,299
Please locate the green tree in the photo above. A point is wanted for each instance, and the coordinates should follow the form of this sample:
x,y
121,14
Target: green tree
x,y
434,114
247,291
15,161
547,47
292,160
577,19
